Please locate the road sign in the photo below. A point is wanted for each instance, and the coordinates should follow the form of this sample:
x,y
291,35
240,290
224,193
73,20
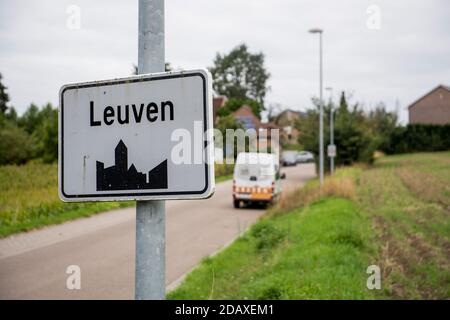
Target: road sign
x,y
331,150
146,137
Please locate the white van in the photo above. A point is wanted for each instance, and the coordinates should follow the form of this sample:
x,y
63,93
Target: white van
x,y
256,178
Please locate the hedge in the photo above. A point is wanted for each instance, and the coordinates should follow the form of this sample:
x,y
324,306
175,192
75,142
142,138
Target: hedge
x,y
419,138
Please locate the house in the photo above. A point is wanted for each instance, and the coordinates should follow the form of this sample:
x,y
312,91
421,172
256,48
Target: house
x,y
218,102
432,108
288,117
249,120
245,116
287,120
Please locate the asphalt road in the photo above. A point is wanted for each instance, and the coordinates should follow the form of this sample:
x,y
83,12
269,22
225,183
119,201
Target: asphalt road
x,y
33,265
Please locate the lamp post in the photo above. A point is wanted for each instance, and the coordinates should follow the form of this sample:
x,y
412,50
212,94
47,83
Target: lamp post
x,y
331,127
321,155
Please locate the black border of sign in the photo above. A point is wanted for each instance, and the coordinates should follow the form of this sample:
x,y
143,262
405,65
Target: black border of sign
x,y
140,79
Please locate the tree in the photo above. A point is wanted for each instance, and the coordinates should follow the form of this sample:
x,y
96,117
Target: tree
x,y
4,97
33,135
46,134
11,115
16,145
383,124
31,119
352,135
241,74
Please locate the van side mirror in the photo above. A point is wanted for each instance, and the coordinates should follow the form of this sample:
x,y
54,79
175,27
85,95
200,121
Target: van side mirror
x,y
283,175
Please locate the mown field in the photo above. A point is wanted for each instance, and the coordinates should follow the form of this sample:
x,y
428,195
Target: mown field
x,y
29,198
317,243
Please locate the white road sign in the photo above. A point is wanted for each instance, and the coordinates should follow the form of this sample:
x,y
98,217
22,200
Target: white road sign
x,y
145,137
331,150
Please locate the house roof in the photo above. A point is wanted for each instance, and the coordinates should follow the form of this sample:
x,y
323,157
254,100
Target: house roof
x,y
430,92
289,110
218,102
285,111
245,113
247,117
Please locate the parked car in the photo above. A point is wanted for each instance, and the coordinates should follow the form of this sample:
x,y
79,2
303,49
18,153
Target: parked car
x,y
256,178
304,157
289,158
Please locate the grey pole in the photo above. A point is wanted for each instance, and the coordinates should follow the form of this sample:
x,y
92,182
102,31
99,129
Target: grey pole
x,y
150,274
331,127
321,113
321,156
332,139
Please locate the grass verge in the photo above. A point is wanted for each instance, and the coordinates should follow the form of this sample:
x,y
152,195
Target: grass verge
x,y
317,243
319,252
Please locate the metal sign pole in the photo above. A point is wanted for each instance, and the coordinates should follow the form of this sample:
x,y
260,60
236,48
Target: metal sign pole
x,y
321,147
150,215
332,139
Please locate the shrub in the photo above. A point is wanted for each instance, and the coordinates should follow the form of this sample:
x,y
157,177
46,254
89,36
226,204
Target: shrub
x,y
16,145
33,135
223,169
357,134
419,138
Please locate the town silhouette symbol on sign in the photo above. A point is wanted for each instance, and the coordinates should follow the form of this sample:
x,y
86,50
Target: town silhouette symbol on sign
x,y
122,177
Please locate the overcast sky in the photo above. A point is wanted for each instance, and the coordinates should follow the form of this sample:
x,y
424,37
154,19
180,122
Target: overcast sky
x,y
398,59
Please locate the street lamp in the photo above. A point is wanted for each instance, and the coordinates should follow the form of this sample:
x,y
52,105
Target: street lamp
x,y
320,31
331,127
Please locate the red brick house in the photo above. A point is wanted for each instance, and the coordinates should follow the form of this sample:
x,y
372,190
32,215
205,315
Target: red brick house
x,y
432,108
244,115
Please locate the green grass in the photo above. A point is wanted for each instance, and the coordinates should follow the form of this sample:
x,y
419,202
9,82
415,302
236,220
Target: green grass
x,y
408,200
29,198
224,178
317,243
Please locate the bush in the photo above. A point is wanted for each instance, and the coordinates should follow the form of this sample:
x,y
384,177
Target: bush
x,y
16,145
222,169
419,138
33,135
357,135
47,135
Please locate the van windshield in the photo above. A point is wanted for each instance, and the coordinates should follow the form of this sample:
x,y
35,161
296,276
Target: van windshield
x,y
261,172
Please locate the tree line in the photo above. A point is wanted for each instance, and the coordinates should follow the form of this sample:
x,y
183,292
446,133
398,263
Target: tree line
x,y
29,136
359,134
